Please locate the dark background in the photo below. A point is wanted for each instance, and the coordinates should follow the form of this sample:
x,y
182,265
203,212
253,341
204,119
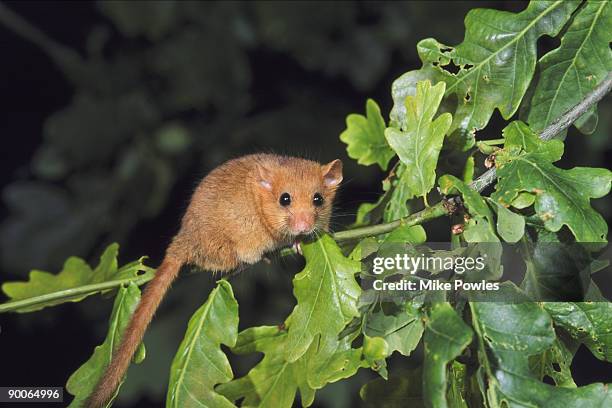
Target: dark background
x,y
112,112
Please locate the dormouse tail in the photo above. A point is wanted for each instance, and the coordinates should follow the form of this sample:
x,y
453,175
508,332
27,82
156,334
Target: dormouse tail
x,y
152,296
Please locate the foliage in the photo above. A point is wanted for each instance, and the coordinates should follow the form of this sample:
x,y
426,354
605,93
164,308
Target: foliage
x,y
153,102
75,282
476,353
419,142
306,352
82,382
508,335
446,336
562,197
365,137
215,323
569,72
496,62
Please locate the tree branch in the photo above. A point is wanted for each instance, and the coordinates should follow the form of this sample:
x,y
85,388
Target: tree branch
x,y
443,207
487,178
76,292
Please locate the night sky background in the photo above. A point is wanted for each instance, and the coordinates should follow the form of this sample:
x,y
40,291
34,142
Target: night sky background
x,y
112,112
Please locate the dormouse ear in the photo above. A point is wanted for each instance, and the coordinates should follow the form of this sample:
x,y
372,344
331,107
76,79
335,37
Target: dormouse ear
x,y
332,173
264,177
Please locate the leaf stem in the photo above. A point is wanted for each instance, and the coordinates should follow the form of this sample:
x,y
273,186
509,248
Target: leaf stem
x,y
78,291
487,178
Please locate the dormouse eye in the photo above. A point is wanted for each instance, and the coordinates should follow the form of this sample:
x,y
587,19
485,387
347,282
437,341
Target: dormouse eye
x,y
285,199
317,200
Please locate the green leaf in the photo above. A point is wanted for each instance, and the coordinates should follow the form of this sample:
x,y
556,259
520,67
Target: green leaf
x,y
365,137
403,87
587,322
472,200
479,228
556,271
518,134
523,327
523,200
369,213
83,381
510,225
372,213
468,170
309,354
406,234
326,293
508,335
398,193
485,147
274,381
418,144
574,69
401,330
496,61
562,196
107,267
392,205
555,363
199,363
456,387
364,248
72,284
446,336
335,360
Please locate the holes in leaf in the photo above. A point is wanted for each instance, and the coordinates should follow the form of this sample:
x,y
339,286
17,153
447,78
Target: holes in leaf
x,y
548,380
446,49
140,272
467,97
556,367
452,68
467,66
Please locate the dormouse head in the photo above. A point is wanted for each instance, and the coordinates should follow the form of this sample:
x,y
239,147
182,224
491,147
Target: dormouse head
x,y
297,194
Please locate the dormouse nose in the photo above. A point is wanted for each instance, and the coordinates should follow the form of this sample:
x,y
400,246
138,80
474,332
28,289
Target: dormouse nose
x,y
302,222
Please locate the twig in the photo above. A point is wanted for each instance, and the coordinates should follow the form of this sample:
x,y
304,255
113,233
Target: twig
x,y
78,291
487,178
569,117
420,217
438,210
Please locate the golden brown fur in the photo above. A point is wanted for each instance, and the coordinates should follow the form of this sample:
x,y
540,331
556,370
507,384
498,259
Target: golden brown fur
x,y
233,219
